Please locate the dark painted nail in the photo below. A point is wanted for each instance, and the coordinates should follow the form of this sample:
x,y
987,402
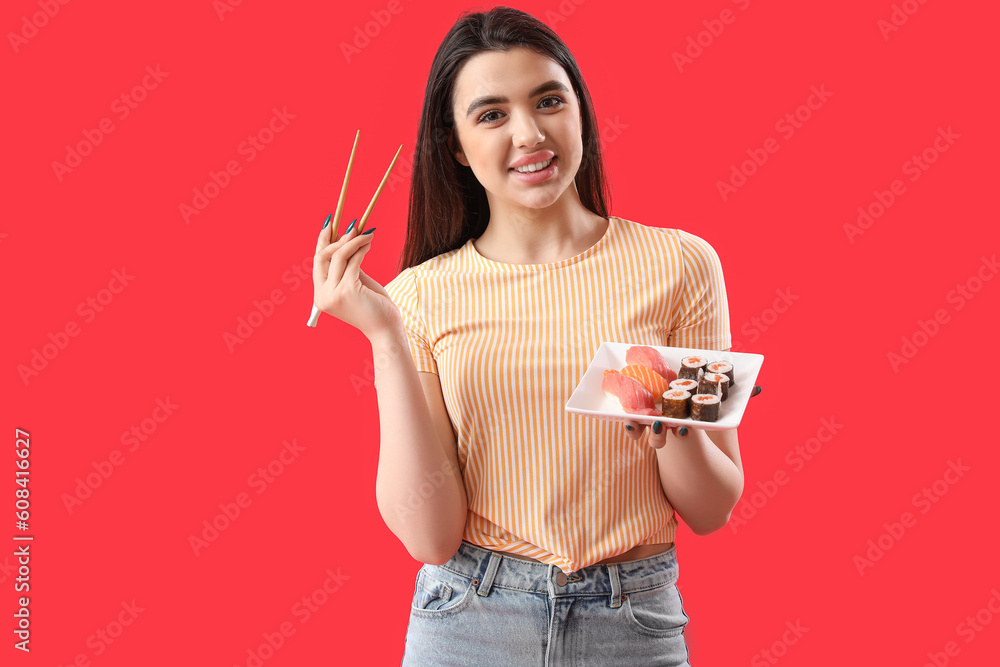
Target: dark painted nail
x,y
368,231
657,427
327,222
684,430
351,227
628,427
756,390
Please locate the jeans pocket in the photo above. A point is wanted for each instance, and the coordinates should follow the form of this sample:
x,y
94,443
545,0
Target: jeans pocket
x,y
439,592
657,611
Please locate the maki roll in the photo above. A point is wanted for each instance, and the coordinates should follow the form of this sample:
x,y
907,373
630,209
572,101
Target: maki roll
x,y
705,407
714,383
686,384
723,367
676,403
692,368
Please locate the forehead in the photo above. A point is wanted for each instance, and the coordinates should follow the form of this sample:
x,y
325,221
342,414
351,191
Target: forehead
x,y
510,73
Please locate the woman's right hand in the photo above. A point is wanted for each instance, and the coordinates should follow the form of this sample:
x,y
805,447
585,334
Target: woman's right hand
x,y
342,289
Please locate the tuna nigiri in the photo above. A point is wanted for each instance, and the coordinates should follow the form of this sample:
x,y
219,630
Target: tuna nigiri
x,y
634,397
650,358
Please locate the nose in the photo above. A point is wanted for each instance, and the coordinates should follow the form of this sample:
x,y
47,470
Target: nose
x,y
526,131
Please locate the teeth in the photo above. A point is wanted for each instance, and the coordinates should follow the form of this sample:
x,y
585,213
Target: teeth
x,y
527,169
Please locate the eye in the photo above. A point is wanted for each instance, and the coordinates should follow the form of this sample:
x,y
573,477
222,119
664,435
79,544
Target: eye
x,y
557,102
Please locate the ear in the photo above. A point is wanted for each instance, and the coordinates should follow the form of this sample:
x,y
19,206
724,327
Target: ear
x,y
456,149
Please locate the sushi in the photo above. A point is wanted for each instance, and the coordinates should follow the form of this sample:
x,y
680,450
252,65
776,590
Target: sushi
x,y
676,403
634,397
648,377
649,357
714,383
705,407
724,367
686,384
692,368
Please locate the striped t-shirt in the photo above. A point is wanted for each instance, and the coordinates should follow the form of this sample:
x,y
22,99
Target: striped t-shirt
x,y
510,343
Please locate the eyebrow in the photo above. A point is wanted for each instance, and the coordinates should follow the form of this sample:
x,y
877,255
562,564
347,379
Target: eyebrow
x,y
546,87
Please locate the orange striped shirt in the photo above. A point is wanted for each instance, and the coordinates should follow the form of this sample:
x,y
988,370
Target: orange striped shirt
x,y
510,343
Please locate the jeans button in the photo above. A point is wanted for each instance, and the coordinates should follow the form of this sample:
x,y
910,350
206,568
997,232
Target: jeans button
x,y
561,579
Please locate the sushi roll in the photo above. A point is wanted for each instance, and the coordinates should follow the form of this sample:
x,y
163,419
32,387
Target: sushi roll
x,y
714,383
705,407
724,367
692,368
686,384
676,403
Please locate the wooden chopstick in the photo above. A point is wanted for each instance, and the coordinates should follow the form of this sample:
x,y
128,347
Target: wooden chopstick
x,y
343,190
371,205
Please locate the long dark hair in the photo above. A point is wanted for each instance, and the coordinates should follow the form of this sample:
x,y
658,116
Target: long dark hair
x,y
448,205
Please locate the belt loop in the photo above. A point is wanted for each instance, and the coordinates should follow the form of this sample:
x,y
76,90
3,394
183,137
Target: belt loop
x,y
616,586
491,573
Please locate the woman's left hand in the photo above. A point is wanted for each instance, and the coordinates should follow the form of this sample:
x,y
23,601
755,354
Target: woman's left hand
x,y
656,439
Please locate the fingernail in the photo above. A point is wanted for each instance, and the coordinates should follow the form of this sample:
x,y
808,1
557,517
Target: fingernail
x,y
628,427
684,430
327,222
657,427
756,390
352,226
368,231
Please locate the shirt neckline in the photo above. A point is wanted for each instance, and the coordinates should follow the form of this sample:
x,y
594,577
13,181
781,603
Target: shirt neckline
x,y
505,266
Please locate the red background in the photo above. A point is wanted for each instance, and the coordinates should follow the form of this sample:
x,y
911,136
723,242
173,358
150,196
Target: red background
x,y
678,134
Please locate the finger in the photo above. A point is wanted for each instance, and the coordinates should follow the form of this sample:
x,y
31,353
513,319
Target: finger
x,y
324,234
322,261
632,429
340,260
756,390
658,434
353,268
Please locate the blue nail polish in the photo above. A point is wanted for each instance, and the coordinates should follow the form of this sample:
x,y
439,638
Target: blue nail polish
x,y
628,427
351,227
756,390
327,222
368,231
657,427
684,430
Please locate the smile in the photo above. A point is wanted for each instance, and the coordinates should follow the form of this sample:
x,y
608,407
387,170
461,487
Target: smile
x,y
528,168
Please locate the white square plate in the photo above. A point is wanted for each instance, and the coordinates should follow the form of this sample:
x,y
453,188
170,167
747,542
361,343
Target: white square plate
x,y
589,399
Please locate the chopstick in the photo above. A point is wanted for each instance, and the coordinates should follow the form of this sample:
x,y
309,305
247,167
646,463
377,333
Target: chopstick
x,y
343,189
371,204
314,316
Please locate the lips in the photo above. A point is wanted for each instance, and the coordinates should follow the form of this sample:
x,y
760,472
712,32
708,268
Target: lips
x,y
540,156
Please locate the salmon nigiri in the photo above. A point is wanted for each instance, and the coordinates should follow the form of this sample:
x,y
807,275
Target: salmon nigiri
x,y
649,378
632,395
650,358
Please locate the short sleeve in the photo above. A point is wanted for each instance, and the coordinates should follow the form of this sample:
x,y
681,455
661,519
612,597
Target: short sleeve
x,y
700,316
404,293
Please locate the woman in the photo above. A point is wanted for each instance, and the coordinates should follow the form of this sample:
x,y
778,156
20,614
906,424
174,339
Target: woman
x,y
547,537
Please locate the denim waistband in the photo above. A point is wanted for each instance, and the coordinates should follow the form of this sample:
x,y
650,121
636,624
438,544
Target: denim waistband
x,y
496,569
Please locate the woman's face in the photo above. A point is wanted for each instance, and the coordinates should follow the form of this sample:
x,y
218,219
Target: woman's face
x,y
508,105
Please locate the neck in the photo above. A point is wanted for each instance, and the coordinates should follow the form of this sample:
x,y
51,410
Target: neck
x,y
519,235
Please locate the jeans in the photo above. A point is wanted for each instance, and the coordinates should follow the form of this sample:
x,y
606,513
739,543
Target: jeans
x,y
484,608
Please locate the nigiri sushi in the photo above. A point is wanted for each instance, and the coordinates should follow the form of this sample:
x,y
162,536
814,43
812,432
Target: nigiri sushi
x,y
650,358
632,395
